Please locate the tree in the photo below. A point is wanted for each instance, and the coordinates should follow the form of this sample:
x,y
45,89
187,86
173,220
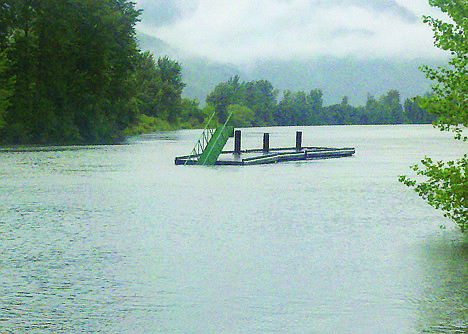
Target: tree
x,y
170,90
369,113
260,97
415,114
288,110
241,116
159,88
223,95
315,106
73,61
392,106
6,87
342,113
300,108
446,183
192,115
147,82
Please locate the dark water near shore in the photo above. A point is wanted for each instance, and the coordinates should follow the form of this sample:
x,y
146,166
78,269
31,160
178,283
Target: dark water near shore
x,y
117,239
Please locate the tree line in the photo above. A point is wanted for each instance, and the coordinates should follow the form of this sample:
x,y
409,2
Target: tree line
x,y
71,71
256,103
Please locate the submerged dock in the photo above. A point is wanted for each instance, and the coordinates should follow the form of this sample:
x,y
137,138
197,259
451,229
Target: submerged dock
x,y
258,156
267,155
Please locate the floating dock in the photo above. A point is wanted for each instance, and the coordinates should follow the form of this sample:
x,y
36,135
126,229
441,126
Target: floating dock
x,y
265,155
258,156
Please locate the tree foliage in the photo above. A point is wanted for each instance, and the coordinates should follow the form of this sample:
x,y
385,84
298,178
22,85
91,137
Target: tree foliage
x,y
73,61
259,96
159,95
299,108
159,87
446,187
306,108
71,72
6,87
450,99
415,114
445,184
241,116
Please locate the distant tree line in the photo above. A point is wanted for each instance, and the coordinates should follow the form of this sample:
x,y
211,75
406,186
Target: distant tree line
x,y
71,72
256,103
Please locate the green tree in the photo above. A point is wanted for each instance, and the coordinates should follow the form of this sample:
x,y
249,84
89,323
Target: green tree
x,y
446,183
392,107
369,113
315,106
223,95
6,87
241,116
148,83
260,97
159,89
349,113
73,61
300,108
415,114
342,113
170,90
192,116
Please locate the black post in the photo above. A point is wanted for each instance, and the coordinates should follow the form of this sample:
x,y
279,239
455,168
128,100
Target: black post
x,y
298,140
266,142
237,142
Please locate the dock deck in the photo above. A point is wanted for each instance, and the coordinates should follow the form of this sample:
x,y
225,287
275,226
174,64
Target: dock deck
x,y
273,155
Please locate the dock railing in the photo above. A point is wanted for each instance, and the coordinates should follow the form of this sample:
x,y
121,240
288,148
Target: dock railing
x,y
215,148
203,141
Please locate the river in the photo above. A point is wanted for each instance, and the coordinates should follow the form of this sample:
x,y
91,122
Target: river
x,y
117,239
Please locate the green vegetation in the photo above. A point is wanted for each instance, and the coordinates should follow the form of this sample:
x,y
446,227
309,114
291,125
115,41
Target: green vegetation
x,y
147,124
71,72
255,103
446,183
6,88
72,84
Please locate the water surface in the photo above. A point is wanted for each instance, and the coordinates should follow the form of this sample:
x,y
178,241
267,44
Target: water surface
x,y
117,239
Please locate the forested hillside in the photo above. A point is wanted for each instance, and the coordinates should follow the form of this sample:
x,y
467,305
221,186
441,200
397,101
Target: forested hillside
x,y
71,72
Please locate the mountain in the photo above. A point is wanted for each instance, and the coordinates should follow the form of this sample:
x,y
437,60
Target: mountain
x,y
337,77
200,75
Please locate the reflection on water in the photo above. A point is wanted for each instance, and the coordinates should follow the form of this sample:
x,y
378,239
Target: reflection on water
x,y
444,303
117,239
165,136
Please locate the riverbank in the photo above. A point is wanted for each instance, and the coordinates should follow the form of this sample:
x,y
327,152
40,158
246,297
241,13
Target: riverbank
x,y
148,124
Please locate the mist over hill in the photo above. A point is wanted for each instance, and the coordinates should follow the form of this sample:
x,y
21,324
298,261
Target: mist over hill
x,y
337,77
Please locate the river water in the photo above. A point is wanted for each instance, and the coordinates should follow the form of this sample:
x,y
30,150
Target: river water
x,y
117,239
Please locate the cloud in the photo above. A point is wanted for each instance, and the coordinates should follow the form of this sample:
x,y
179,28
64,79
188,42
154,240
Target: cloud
x,y
243,31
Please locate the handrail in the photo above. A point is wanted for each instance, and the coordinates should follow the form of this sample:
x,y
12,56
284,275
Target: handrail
x,y
221,132
202,140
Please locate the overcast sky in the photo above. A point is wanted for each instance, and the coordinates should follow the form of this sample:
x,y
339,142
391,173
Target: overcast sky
x,y
243,31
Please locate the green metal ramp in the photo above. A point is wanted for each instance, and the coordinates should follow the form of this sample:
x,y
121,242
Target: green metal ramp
x,y
215,146
211,143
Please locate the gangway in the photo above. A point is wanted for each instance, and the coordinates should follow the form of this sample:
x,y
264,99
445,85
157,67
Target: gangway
x,y
211,143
